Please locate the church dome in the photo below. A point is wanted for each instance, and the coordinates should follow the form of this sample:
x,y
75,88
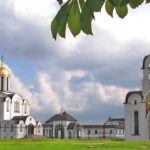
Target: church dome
x,y
4,71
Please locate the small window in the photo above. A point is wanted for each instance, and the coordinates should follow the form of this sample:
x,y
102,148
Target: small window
x,y
149,72
25,108
7,106
39,127
136,123
110,131
135,102
21,128
120,132
123,132
12,127
96,132
17,107
5,128
43,132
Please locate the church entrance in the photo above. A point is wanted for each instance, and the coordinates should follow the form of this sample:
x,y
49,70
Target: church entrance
x,y
59,131
30,129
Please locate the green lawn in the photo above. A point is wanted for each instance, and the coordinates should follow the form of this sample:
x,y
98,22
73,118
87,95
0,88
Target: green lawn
x,y
47,144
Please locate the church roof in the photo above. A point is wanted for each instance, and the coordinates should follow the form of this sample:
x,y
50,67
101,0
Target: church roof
x,y
144,61
18,118
47,125
71,125
92,126
3,95
116,119
4,71
103,126
64,116
131,93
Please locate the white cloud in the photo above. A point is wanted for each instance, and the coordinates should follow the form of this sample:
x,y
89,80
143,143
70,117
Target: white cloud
x,y
134,26
112,94
45,99
48,98
34,8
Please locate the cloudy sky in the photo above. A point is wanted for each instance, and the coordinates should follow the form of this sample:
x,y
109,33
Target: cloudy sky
x,y
88,76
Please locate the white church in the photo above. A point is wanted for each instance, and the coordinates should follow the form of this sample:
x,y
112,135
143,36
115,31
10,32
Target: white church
x,y
15,119
137,108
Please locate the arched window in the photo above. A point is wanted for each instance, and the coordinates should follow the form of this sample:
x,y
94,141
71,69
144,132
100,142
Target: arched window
x,y
7,106
135,102
136,123
16,106
25,108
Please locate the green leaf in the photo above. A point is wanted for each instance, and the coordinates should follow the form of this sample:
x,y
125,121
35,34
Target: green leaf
x,y
82,4
74,18
86,19
61,20
109,8
54,28
121,11
95,5
135,3
62,28
115,2
124,2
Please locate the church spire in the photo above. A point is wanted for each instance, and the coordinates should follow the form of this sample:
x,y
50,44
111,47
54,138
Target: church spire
x,y
2,60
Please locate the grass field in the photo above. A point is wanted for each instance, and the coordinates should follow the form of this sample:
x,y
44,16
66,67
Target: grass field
x,y
47,144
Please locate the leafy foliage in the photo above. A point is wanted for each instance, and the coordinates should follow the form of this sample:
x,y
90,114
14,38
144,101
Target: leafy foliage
x,y
78,14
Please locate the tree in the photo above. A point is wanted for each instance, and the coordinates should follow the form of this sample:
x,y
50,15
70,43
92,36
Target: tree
x,y
78,14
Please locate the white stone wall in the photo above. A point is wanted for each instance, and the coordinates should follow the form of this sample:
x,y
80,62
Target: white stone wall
x,y
130,108
1,110
8,115
6,130
92,134
38,129
146,75
106,132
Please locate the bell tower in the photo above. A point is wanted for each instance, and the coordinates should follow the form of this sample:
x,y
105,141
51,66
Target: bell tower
x,y
4,77
146,74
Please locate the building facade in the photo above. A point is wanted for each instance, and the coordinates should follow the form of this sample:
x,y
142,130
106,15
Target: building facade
x,y
137,108
63,125
15,118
